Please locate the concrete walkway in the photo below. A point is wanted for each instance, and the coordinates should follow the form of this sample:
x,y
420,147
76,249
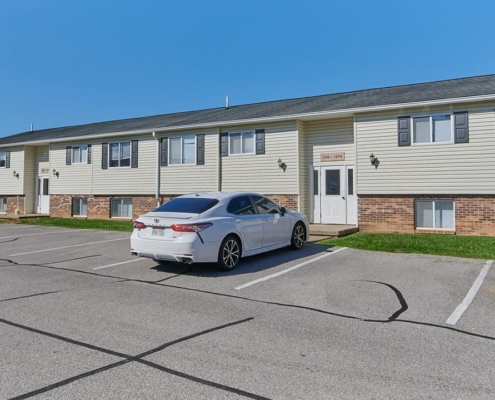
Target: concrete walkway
x,y
319,232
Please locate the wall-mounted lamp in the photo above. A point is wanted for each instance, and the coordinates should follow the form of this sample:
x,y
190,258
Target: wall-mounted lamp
x,y
16,174
55,172
281,164
373,160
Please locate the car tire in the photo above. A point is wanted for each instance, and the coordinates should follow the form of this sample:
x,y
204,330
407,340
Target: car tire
x,y
298,236
229,253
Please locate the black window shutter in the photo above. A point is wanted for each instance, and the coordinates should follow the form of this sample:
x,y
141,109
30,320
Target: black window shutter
x,y
104,155
200,149
89,154
260,141
7,159
224,144
68,155
461,131
164,151
134,153
404,131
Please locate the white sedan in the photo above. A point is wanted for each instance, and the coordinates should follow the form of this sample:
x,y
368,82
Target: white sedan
x,y
217,227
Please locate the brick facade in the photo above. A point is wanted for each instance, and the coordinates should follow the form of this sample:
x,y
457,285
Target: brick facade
x,y
99,206
285,200
14,203
474,214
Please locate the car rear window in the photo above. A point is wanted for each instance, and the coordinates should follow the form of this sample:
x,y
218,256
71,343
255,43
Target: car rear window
x,y
187,205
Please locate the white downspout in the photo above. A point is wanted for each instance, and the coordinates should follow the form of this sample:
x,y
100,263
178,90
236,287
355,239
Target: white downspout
x,y
157,196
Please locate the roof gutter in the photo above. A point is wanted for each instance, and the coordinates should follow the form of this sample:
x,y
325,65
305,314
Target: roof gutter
x,y
334,113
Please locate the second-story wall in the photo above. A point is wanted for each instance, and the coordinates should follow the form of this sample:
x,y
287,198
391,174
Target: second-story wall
x,y
261,172
437,168
126,180
75,178
10,184
182,179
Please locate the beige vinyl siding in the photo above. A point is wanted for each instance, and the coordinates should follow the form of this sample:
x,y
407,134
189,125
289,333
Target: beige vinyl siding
x,y
10,185
30,174
42,155
72,179
330,136
181,179
126,180
304,173
261,173
463,168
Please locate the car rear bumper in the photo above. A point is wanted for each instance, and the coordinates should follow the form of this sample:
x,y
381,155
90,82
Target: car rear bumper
x,y
185,249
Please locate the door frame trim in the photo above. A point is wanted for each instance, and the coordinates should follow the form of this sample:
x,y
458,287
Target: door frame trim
x,y
311,188
38,195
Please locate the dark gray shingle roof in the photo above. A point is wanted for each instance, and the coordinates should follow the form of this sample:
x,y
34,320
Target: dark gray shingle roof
x,y
454,88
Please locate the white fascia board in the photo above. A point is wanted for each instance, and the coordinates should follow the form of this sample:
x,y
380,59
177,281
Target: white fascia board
x,y
319,114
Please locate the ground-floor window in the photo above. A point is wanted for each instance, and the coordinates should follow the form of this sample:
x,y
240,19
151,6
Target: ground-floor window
x,y
79,207
121,208
435,214
3,205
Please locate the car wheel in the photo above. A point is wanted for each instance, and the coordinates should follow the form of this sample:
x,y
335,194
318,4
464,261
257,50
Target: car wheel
x,y
229,254
298,236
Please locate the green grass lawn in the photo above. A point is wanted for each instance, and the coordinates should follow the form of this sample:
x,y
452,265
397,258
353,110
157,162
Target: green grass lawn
x,y
444,245
109,225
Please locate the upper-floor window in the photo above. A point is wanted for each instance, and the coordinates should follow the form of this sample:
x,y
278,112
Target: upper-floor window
x,y
80,154
432,129
436,128
120,154
3,159
182,150
241,143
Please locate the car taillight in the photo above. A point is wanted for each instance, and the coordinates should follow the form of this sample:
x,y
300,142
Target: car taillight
x,y
191,227
139,225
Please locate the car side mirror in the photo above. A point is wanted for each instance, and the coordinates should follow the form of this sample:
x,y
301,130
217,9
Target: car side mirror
x,y
283,210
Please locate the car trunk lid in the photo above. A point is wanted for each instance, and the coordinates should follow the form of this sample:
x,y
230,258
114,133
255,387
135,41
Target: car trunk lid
x,y
158,225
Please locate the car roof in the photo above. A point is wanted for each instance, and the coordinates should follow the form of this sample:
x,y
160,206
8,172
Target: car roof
x,y
218,195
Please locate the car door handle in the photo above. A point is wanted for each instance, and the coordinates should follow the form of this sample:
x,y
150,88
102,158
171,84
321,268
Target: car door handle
x,y
343,198
238,220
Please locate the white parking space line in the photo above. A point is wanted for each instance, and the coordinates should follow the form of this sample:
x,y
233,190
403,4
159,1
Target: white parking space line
x,y
32,234
288,269
120,263
67,247
452,320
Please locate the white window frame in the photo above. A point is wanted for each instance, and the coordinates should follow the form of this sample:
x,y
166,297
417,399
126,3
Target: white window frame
x,y
430,116
182,150
3,157
120,152
80,206
434,227
80,147
243,152
121,199
3,205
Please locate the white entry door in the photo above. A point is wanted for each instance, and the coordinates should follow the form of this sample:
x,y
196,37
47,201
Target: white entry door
x,y
43,195
333,195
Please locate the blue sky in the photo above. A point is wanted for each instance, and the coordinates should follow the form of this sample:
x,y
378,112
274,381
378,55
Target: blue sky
x,y
80,61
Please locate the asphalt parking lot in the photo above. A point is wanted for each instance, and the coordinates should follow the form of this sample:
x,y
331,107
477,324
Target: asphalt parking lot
x,y
82,318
